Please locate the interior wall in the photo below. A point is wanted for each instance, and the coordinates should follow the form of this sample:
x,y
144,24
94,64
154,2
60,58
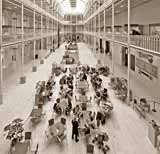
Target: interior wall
x,y
11,60
139,13
141,85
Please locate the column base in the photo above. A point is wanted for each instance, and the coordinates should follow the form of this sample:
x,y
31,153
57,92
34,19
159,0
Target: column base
x,y
128,101
34,69
23,80
41,61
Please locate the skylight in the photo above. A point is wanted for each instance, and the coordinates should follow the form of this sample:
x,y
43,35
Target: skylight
x,y
73,3
73,6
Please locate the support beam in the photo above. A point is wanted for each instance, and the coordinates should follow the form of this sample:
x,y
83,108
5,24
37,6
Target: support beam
x,y
52,35
99,20
104,28
113,37
1,67
129,42
34,68
23,77
95,42
41,61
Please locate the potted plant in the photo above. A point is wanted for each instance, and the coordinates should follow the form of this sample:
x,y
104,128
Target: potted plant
x,y
14,131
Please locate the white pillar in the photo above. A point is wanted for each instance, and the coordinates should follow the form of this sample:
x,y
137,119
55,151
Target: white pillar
x,y
76,29
34,68
46,32
22,39
52,35
113,22
95,34
1,67
70,27
22,78
104,28
129,18
99,17
63,32
57,24
41,61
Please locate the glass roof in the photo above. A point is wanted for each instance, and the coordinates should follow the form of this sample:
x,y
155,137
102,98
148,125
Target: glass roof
x,y
73,6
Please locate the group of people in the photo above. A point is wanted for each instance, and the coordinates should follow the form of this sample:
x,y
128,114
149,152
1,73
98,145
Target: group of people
x,y
101,95
78,123
65,95
96,81
93,119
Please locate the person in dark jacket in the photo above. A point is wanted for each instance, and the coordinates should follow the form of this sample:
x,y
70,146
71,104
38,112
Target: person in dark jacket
x,y
98,118
75,131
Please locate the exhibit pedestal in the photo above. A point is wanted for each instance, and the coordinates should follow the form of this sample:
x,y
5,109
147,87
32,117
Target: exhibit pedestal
x,y
153,135
22,79
41,61
34,69
158,144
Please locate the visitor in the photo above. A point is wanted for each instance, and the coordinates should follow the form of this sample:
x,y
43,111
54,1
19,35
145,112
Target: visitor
x,y
75,131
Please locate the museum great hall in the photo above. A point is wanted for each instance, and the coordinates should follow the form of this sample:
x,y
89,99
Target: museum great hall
x,y
79,77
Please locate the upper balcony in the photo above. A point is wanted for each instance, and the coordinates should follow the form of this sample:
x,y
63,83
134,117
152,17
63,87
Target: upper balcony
x,y
142,41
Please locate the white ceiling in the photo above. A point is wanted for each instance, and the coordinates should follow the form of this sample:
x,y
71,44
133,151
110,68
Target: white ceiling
x,y
78,8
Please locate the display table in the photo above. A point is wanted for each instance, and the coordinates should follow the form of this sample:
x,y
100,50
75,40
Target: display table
x,y
82,85
57,129
82,98
63,104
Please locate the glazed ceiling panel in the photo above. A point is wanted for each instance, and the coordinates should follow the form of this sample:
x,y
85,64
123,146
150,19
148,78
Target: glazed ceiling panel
x,y
73,6
73,3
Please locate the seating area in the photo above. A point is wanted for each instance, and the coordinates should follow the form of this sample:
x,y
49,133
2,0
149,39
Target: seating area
x,y
74,92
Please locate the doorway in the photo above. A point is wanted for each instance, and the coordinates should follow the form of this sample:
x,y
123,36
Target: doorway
x,y
107,49
100,45
124,56
133,62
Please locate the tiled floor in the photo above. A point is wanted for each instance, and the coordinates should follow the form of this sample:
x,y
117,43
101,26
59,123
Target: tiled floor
x,y
128,133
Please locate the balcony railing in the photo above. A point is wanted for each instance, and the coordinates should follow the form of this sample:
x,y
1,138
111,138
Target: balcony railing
x,y
11,38
14,38
146,42
121,38
109,35
29,35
